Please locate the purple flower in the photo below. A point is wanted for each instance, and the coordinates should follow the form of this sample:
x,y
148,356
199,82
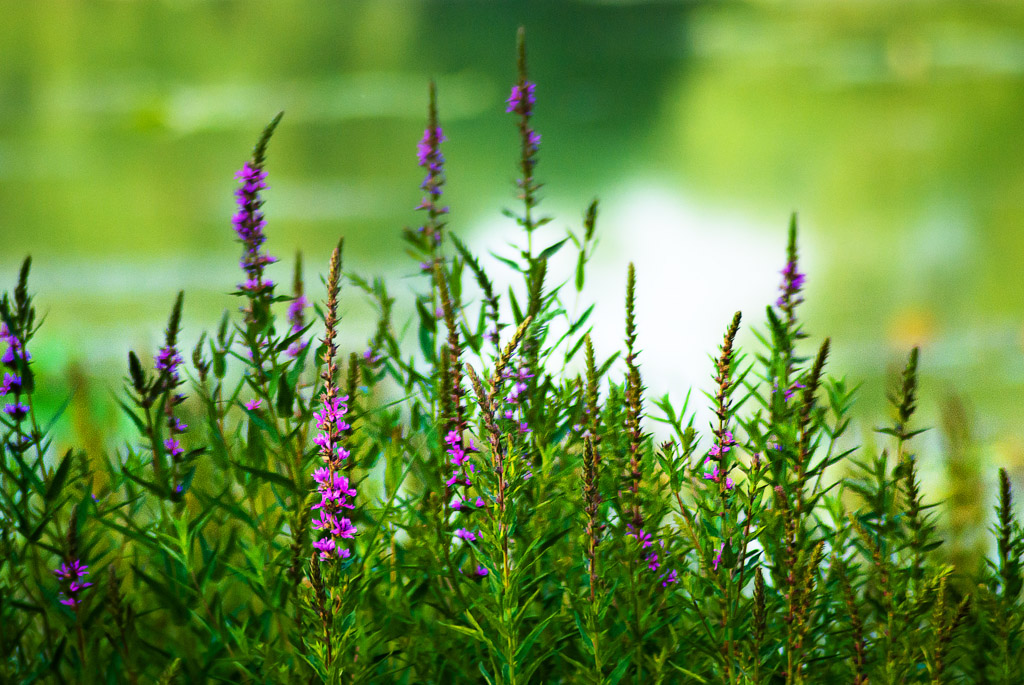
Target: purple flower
x,y
176,426
458,455
481,571
718,557
15,349
16,410
70,576
465,535
344,529
12,383
533,140
428,154
325,545
652,561
167,361
792,391
643,538
522,99
173,447
792,284
297,319
295,313
253,405
671,577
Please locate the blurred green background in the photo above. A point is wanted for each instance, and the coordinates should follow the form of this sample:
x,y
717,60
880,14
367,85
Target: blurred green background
x,y
894,129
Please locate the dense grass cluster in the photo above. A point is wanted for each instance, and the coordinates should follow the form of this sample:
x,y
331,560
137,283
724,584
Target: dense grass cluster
x,y
281,518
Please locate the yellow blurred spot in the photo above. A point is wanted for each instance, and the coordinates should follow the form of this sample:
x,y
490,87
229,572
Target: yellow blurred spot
x,y
911,326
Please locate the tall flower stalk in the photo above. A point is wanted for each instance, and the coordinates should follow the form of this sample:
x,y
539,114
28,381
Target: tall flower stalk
x,y
430,158
249,222
167,363
297,309
334,488
520,103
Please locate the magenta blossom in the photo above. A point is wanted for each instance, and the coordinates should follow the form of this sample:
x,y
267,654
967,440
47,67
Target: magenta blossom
x,y
70,576
522,99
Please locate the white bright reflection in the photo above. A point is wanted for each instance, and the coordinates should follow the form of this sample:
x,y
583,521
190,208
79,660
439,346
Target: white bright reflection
x,y
696,266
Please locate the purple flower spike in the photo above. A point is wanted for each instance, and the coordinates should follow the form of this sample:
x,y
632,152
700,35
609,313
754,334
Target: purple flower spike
x,y
430,158
296,312
792,285
249,223
335,490
465,535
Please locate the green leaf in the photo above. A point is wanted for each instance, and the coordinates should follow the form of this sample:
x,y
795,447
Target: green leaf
x,y
582,320
285,395
487,676
152,486
507,262
61,475
268,476
426,340
620,671
583,632
551,250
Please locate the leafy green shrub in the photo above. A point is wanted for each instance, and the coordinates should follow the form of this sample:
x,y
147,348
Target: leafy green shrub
x,y
278,519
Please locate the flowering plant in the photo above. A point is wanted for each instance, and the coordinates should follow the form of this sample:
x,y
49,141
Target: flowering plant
x,y
506,520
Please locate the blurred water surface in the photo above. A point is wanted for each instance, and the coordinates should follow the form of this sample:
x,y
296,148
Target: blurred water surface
x,y
894,129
